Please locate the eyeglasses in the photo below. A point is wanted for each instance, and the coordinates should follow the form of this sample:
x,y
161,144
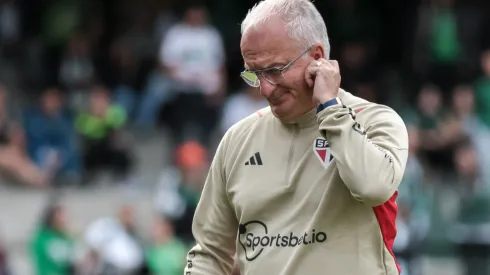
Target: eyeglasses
x,y
272,75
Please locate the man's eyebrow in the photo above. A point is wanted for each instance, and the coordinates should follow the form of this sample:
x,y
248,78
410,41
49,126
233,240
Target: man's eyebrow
x,y
269,66
274,65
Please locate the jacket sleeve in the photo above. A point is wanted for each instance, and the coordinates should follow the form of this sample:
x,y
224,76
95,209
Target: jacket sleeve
x,y
215,225
370,148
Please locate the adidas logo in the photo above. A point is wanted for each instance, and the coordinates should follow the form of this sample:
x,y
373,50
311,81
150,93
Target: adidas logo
x,y
254,160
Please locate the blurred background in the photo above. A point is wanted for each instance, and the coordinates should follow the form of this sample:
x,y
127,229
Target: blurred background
x,y
110,112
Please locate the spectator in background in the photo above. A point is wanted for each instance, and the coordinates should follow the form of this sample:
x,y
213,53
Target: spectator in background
x,y
445,43
127,220
482,90
460,121
193,162
103,139
178,196
431,112
472,229
167,253
77,69
113,249
241,105
465,123
129,223
52,250
51,134
442,129
14,159
192,65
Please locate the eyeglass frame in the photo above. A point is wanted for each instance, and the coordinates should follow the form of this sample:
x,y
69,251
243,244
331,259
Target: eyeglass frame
x,y
258,73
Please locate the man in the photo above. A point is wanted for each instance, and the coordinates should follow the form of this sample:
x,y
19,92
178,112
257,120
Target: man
x,y
307,185
192,77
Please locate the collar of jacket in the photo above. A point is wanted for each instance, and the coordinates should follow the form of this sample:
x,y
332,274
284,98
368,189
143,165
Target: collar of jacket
x,y
306,120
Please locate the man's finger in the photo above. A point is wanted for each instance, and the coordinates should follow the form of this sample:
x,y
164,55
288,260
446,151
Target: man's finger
x,y
334,64
310,73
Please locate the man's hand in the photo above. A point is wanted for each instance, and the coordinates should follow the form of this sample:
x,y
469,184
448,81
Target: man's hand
x,y
324,77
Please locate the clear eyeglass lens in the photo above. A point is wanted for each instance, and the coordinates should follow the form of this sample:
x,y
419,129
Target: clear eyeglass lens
x,y
274,76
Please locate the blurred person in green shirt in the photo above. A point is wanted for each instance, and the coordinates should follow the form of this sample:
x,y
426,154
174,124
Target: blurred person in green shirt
x,y
52,249
167,254
435,148
445,42
105,144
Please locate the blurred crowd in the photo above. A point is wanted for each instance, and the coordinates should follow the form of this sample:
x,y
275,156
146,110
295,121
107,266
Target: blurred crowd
x,y
79,78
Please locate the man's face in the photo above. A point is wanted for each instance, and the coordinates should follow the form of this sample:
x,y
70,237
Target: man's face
x,y
269,46
485,62
196,16
429,100
51,101
466,161
463,100
126,215
162,230
99,101
59,219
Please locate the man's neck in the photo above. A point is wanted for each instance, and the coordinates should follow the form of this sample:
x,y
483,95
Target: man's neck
x,y
305,119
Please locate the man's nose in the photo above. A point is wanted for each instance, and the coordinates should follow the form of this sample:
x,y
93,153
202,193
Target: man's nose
x,y
266,88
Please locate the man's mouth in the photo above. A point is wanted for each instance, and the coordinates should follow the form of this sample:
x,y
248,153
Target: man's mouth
x,y
276,98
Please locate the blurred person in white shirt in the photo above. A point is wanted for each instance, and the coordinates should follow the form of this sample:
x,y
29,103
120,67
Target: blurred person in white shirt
x,y
114,247
192,53
192,71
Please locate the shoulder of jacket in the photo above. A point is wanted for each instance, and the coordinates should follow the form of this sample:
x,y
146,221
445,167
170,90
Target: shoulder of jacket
x,y
237,133
368,110
247,124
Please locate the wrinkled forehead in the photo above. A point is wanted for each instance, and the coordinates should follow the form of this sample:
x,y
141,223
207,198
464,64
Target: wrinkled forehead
x,y
267,45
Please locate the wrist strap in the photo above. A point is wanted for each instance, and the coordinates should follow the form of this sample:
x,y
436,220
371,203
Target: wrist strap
x,y
327,104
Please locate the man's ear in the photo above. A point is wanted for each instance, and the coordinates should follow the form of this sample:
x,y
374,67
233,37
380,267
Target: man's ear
x,y
317,51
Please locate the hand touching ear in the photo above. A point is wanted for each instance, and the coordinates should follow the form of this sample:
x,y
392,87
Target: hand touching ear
x,y
324,77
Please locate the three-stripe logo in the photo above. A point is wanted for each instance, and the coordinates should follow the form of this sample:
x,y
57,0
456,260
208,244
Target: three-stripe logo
x,y
254,160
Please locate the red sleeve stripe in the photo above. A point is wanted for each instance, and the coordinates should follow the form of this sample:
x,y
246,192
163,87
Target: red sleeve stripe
x,y
386,216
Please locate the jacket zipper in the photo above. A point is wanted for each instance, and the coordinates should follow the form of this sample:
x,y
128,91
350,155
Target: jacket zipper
x,y
290,156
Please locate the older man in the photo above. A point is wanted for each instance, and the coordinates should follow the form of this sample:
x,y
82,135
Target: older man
x,y
307,185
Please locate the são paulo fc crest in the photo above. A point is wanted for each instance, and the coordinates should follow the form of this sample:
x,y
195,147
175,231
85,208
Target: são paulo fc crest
x,y
322,151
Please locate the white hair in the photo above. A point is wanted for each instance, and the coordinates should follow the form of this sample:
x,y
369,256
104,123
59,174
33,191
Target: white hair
x,y
303,22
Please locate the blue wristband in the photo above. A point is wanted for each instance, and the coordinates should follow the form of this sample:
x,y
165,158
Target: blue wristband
x,y
327,104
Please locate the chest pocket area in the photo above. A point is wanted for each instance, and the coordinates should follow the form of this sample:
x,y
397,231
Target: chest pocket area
x,y
258,181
